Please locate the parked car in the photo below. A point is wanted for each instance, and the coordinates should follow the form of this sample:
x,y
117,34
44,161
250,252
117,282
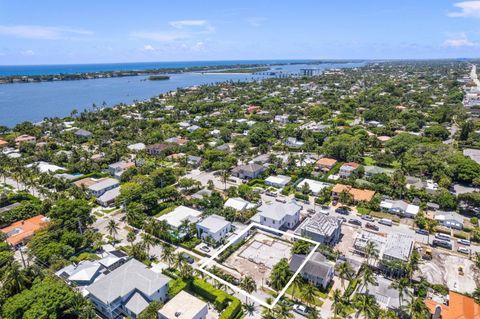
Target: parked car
x,y
344,210
355,222
421,231
325,207
271,194
188,258
367,217
464,242
301,309
385,221
311,211
372,226
343,219
334,202
463,250
281,199
442,243
205,249
442,236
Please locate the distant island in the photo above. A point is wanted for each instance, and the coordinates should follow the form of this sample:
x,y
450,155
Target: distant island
x,y
158,77
235,68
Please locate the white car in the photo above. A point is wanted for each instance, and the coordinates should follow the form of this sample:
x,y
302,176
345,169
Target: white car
x,y
301,309
463,250
464,242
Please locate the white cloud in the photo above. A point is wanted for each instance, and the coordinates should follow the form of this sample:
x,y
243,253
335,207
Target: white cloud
x,y
199,46
148,47
188,23
467,9
41,32
27,53
160,36
256,21
459,40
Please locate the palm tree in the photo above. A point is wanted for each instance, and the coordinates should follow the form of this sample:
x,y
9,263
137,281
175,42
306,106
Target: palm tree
x,y
309,293
345,272
297,285
371,250
249,308
416,308
13,279
401,285
168,254
268,313
112,228
283,310
131,237
366,306
337,305
367,277
476,294
314,314
149,241
249,285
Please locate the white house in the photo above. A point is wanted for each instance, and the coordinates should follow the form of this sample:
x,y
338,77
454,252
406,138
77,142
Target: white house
x,y
293,142
98,189
214,227
400,207
179,214
278,181
118,168
184,306
315,186
278,215
127,290
238,204
450,219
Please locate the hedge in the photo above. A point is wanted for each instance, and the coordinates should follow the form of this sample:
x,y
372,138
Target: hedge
x,y
301,196
175,286
218,297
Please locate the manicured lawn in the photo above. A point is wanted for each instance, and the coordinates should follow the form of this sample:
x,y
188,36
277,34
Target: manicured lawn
x,y
298,295
394,218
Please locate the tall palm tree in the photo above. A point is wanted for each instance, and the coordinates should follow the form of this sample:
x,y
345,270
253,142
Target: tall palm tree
x,y
249,285
168,254
338,305
13,279
297,285
148,242
131,237
314,314
416,308
345,272
401,285
309,292
367,277
371,251
283,310
366,306
112,229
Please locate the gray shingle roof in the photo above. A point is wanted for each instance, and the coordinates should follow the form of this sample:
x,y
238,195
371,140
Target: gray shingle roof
x,y
317,265
126,278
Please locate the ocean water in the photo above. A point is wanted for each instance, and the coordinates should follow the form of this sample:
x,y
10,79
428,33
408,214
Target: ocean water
x,y
35,101
81,68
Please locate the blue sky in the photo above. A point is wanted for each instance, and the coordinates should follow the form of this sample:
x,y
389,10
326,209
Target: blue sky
x,y
57,32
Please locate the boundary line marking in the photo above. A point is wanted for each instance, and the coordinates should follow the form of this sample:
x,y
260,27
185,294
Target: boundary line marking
x,y
212,258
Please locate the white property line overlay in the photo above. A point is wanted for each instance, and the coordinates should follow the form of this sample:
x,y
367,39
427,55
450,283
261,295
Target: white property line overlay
x,y
243,292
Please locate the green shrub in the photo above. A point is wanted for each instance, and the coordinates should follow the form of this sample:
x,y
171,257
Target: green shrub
x,y
256,181
461,234
175,286
301,196
233,310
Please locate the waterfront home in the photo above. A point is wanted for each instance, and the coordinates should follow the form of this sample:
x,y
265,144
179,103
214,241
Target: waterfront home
x,y
213,227
20,232
317,270
127,290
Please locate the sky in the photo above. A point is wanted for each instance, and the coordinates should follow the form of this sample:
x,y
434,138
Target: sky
x,y
105,31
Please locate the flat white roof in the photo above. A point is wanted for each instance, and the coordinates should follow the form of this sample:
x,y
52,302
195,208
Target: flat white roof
x,y
278,180
238,203
179,214
315,186
182,306
214,223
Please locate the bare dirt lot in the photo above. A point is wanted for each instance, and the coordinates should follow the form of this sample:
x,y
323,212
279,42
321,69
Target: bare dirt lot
x,y
347,240
444,269
257,257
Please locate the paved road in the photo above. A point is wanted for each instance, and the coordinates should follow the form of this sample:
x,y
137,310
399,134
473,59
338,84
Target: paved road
x,y
473,75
